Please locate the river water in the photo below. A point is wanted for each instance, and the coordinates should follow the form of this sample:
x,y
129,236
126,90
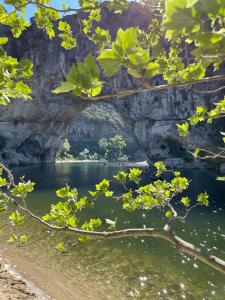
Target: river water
x,y
131,268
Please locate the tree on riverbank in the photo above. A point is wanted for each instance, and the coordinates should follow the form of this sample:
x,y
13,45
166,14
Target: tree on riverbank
x,y
113,148
64,151
184,40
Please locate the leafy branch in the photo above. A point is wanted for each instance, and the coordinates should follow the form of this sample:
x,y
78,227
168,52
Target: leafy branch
x,y
63,215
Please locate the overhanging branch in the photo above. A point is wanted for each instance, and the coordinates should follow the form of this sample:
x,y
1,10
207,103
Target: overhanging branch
x,y
125,93
180,244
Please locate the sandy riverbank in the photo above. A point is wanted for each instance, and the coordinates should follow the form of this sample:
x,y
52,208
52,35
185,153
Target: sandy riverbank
x,y
14,286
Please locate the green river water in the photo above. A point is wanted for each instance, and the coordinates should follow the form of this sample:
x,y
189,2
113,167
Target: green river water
x,y
131,268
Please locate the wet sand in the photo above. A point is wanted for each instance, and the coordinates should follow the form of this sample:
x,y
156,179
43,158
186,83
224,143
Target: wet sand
x,y
27,279
13,286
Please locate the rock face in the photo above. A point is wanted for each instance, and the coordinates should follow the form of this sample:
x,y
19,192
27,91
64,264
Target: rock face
x,y
103,121
34,130
147,121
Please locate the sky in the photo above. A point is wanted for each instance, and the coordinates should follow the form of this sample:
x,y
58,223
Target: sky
x,y
55,3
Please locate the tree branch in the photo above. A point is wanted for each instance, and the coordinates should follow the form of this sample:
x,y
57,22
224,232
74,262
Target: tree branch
x,y
179,243
69,9
212,155
154,88
209,92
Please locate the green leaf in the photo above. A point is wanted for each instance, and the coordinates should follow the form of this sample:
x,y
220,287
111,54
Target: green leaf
x,y
13,238
135,175
67,193
3,182
102,186
23,188
126,39
193,72
83,78
92,66
64,26
124,51
83,239
121,176
93,194
179,184
69,42
161,168
201,110
3,41
109,61
169,214
203,199
23,239
16,218
108,194
23,90
196,152
26,67
176,174
64,87
95,91
185,201
4,100
92,224
72,222
60,247
101,37
183,129
152,69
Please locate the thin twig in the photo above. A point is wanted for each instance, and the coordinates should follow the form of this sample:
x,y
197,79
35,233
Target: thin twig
x,y
209,92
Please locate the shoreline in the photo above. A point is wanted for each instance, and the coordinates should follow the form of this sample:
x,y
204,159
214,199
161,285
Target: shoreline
x,y
14,285
117,163
175,163
28,279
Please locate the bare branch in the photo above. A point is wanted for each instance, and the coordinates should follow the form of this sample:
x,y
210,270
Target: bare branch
x,y
209,92
4,225
9,175
212,155
188,210
154,88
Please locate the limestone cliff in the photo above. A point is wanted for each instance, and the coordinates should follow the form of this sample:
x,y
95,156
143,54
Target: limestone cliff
x,y
148,123
34,130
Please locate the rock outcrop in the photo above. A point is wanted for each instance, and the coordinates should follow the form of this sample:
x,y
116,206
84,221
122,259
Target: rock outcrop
x,y
148,123
35,129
